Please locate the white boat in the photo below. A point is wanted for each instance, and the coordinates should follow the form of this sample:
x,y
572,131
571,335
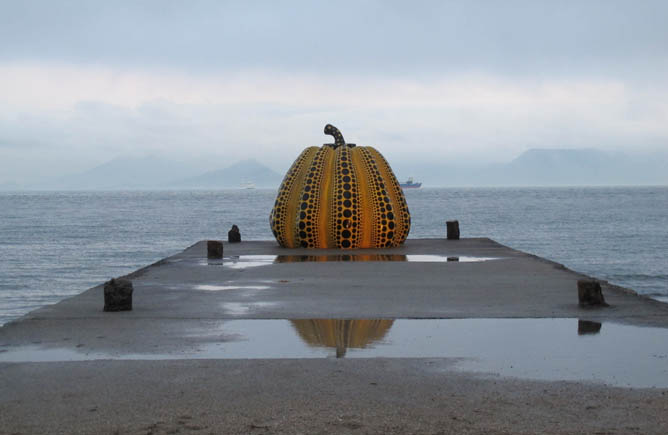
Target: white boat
x,y
248,185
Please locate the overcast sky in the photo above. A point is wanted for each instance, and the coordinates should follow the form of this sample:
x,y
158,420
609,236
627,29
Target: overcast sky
x,y
84,82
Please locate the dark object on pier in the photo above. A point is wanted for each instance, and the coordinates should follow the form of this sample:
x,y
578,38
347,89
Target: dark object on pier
x,y
214,249
453,258
118,295
590,293
588,327
234,236
453,230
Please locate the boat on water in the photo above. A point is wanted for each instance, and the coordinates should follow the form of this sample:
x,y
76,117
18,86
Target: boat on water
x,y
248,185
410,184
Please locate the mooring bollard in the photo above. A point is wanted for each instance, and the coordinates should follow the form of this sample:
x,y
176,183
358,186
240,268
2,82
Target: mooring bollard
x,y
118,295
214,249
590,293
453,230
234,236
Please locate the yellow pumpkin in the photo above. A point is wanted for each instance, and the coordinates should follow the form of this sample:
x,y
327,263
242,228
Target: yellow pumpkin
x,y
340,196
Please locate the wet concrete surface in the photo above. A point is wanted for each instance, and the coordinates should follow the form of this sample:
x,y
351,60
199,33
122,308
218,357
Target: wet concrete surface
x,y
495,312
513,285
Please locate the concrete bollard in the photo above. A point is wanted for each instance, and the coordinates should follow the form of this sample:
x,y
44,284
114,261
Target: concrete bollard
x,y
453,230
234,236
214,249
590,293
118,295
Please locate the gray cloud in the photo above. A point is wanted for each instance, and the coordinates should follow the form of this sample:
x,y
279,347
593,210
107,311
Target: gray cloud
x,y
518,37
83,82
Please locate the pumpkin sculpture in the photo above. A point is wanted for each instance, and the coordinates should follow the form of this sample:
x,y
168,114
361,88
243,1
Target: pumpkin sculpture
x,y
340,196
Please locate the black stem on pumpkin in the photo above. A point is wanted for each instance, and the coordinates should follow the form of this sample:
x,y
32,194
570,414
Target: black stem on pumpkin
x,y
338,137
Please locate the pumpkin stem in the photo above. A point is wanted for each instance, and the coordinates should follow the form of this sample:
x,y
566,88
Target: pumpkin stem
x,y
338,137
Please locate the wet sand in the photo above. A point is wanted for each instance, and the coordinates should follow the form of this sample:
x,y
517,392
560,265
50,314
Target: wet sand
x,y
310,396
186,303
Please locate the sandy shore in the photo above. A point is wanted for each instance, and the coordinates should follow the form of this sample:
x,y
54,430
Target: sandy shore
x,y
310,396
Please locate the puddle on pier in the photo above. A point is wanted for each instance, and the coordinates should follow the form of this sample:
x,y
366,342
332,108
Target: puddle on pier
x,y
247,261
541,349
217,288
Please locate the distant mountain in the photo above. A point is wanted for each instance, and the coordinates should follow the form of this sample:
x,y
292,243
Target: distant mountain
x,y
550,167
547,167
535,167
150,172
246,171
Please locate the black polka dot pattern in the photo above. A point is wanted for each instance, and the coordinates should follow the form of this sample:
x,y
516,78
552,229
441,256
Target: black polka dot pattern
x,y
383,236
279,214
309,206
402,216
345,201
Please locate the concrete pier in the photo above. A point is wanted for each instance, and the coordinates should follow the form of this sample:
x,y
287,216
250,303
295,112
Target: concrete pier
x,y
73,368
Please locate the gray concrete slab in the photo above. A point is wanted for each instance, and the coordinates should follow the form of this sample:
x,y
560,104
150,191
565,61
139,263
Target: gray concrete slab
x,y
180,300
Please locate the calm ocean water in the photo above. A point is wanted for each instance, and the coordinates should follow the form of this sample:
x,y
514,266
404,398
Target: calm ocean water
x,y
56,244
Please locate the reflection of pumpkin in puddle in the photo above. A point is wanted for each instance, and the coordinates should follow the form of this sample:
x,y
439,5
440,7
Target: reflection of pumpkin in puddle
x,y
342,257
342,334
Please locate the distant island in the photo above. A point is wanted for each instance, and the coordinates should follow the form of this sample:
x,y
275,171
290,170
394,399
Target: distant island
x,y
239,175
149,173
546,167
534,167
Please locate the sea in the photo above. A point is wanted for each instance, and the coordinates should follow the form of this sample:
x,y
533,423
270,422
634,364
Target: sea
x,y
57,244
